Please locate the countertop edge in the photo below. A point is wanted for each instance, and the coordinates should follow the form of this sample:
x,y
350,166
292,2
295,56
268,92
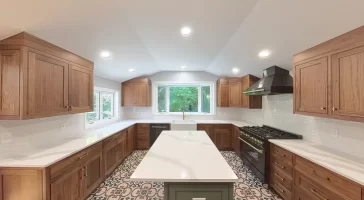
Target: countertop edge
x,y
361,182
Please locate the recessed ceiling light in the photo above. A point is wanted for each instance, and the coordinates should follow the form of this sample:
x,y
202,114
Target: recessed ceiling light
x,y
183,67
235,70
264,53
186,31
131,70
105,54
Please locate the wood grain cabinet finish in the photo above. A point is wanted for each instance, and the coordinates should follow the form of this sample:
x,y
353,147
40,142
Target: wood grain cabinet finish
x,y
235,92
94,173
222,134
136,93
299,179
69,185
130,139
39,79
9,83
250,102
142,137
222,93
329,78
209,129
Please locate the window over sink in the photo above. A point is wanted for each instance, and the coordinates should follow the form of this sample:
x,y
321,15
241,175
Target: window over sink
x,y
105,107
195,98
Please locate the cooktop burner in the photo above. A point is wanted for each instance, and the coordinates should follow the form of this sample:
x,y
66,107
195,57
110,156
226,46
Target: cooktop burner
x,y
266,132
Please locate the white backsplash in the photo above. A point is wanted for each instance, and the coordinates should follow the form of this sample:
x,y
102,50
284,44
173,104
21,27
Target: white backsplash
x,y
277,112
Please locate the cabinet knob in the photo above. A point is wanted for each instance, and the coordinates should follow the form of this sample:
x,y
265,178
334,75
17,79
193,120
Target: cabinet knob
x,y
334,109
65,107
323,108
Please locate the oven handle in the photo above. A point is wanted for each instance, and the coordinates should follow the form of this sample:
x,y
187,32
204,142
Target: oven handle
x,y
259,150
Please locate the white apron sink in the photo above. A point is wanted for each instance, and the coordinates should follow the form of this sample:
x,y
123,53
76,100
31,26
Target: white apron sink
x,y
183,125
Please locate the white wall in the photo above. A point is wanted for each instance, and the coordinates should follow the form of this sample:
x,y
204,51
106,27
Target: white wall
x,y
147,113
277,112
46,131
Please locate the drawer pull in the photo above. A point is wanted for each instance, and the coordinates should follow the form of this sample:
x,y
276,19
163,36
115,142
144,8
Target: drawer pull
x,y
283,155
86,171
198,198
279,188
81,157
317,194
328,179
282,179
279,165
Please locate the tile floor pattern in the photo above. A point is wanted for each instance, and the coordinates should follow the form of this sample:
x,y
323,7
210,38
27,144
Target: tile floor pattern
x,y
119,187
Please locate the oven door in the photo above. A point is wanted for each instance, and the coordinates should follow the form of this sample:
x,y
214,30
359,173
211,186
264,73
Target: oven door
x,y
255,155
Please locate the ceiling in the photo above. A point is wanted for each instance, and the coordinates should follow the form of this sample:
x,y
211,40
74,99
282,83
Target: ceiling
x,y
144,35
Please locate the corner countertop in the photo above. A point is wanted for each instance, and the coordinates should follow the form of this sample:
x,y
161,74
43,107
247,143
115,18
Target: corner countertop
x,y
184,156
343,164
38,156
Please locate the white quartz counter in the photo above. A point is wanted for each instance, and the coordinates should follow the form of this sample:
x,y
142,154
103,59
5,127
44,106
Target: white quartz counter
x,y
39,155
346,165
184,156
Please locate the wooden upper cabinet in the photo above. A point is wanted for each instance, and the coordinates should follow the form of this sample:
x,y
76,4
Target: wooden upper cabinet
x,y
222,93
9,83
136,93
244,98
347,69
235,92
251,102
329,78
311,86
39,79
80,89
47,85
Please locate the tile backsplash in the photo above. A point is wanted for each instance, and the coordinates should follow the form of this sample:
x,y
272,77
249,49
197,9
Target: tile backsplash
x,y
277,112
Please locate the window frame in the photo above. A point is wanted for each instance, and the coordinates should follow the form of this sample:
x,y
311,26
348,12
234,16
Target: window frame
x,y
198,84
114,106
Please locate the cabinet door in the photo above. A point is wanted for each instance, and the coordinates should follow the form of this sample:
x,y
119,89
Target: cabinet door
x,y
348,83
128,95
47,86
9,82
130,141
121,149
235,140
311,87
141,98
68,186
223,136
93,173
223,95
244,87
208,128
110,155
80,89
234,94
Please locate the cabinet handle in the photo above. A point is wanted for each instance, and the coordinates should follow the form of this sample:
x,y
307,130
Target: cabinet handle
x,y
282,179
317,194
283,155
279,165
279,188
86,172
334,109
81,157
323,108
65,106
81,170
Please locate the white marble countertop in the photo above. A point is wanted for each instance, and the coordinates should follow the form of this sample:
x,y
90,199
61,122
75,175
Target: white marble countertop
x,y
184,156
38,155
346,165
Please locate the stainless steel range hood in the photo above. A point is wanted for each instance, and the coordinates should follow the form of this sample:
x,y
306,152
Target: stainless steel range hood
x,y
275,81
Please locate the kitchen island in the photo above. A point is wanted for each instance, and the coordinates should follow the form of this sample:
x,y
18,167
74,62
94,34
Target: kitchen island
x,y
190,166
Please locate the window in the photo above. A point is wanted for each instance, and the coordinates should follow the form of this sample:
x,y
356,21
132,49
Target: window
x,y
192,98
105,108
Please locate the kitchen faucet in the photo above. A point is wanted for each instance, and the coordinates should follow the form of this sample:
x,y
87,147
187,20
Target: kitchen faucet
x,y
183,115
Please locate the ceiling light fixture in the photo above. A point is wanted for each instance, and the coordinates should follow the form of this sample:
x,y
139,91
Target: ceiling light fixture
x,y
183,67
186,31
264,53
131,70
105,54
235,70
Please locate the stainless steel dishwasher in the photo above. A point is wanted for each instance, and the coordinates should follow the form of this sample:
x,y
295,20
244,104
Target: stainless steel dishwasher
x,y
156,130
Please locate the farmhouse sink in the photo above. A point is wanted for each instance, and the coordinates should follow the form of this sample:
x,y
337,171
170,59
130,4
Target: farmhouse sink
x,y
183,125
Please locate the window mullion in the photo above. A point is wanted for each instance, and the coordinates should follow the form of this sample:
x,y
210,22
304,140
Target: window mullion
x,y
167,99
199,98
101,108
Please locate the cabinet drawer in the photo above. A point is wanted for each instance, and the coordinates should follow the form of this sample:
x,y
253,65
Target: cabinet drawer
x,y
277,176
143,126
223,126
110,141
281,190
282,165
73,160
343,187
312,189
203,191
281,153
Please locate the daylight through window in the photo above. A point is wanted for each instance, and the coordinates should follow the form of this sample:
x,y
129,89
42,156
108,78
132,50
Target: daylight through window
x,y
104,107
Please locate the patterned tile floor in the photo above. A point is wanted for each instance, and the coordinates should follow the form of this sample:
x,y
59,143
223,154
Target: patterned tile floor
x,y
119,187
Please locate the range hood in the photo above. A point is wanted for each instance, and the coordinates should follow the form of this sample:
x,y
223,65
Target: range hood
x,y
275,81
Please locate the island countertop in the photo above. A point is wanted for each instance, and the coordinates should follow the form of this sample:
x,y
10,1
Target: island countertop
x,y
184,156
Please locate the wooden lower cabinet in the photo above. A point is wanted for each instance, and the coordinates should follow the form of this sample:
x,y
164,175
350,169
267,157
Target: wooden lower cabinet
x,y
209,129
235,142
297,178
110,156
222,134
130,140
94,173
69,186
142,137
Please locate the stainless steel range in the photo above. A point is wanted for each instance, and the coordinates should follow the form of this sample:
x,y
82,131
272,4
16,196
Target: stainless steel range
x,y
254,147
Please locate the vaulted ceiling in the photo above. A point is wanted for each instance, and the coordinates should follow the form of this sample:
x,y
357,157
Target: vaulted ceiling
x,y
144,35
